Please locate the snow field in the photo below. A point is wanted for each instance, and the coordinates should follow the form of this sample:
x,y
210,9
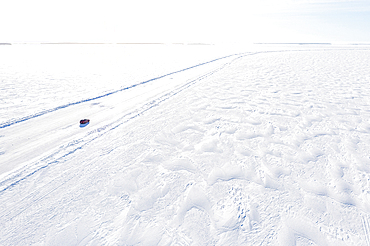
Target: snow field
x,y
284,147
273,149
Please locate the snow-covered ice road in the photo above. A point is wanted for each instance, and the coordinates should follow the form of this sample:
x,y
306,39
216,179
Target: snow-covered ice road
x,y
271,148
26,138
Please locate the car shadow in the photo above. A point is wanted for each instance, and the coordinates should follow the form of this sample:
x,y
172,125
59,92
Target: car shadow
x,y
83,125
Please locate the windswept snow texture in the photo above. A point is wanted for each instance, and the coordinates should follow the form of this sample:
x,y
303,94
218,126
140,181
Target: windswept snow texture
x,y
267,148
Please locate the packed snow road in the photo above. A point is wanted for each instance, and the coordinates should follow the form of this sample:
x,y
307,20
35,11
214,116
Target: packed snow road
x,y
26,139
267,149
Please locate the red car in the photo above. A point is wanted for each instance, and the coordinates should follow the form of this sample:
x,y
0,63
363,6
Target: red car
x,y
84,121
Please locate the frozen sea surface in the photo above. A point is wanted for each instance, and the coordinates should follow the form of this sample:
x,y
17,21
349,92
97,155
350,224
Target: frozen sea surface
x,y
264,148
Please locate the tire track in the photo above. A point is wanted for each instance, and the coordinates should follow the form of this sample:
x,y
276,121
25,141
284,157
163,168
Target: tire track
x,y
15,121
365,224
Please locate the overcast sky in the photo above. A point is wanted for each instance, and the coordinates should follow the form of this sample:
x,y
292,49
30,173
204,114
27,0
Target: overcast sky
x,y
208,21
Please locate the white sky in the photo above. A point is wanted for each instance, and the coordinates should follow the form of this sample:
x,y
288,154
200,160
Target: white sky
x,y
185,21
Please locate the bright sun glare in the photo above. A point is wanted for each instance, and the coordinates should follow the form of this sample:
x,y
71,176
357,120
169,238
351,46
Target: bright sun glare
x,y
180,21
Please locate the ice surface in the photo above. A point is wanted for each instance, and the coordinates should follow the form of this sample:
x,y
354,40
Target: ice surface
x,y
264,148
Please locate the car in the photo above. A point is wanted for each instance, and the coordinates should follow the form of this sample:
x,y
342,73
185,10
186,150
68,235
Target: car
x,y
84,121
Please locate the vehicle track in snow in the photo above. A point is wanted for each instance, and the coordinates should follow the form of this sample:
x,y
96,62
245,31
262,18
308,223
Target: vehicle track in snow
x,y
22,119
366,227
